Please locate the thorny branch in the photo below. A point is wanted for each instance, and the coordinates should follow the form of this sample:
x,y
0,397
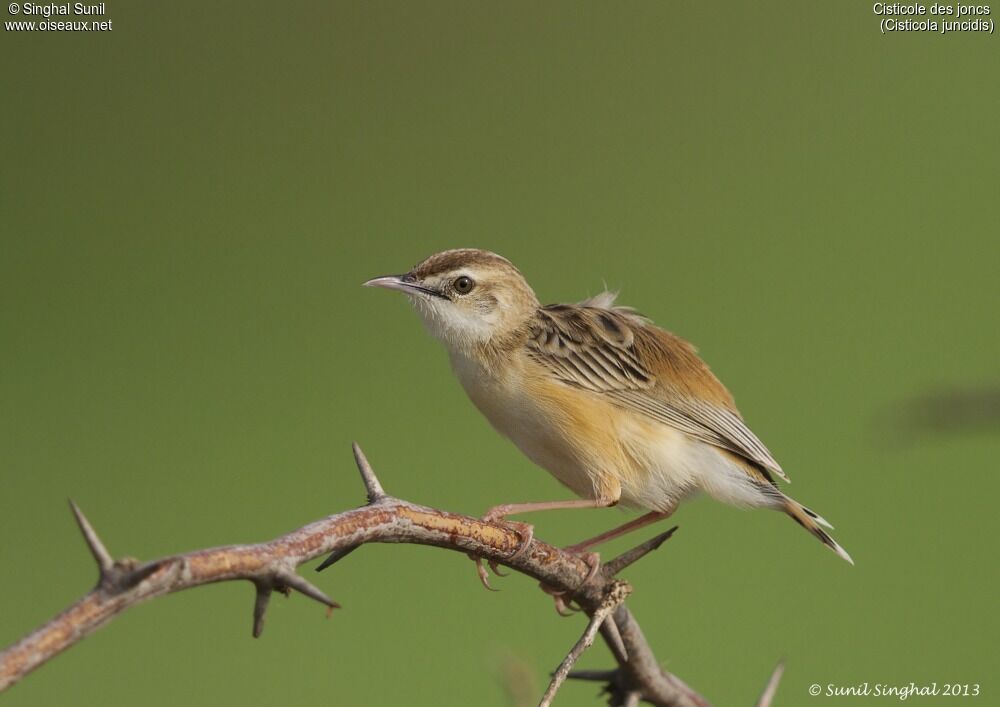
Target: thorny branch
x,y
615,595
271,566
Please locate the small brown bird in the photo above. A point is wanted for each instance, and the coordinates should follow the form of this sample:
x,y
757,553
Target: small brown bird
x,y
617,409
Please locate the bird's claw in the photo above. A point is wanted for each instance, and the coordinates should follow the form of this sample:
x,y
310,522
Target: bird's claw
x,y
496,568
564,606
563,597
526,531
484,576
594,560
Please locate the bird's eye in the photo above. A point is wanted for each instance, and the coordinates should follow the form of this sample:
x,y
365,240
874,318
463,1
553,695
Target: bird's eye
x,y
463,285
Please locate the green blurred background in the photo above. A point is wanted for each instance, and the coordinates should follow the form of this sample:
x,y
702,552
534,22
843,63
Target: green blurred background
x,y
190,202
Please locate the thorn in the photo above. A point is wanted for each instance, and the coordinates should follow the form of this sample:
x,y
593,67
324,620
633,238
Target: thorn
x,y
372,486
137,575
336,556
97,549
593,675
609,629
632,556
306,588
767,697
260,608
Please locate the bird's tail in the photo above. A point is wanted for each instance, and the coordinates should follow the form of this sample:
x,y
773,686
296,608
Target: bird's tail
x,y
814,523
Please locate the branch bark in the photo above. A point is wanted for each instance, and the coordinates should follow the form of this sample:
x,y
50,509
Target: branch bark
x,y
615,596
272,566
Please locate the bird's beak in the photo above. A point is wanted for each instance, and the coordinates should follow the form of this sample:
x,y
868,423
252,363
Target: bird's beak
x,y
404,283
391,282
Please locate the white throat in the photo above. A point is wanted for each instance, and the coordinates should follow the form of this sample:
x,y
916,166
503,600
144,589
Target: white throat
x,y
459,330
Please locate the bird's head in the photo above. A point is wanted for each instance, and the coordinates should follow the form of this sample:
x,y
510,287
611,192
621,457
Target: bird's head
x,y
468,298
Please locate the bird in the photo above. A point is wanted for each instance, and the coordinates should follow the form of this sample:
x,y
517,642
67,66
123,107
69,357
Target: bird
x,y
617,409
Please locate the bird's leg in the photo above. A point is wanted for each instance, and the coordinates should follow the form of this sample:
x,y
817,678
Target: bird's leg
x,y
509,509
527,531
594,560
640,522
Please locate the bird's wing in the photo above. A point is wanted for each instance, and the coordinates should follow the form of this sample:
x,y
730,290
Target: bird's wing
x,y
614,352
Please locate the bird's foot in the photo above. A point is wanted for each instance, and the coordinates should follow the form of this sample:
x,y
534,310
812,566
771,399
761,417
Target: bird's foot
x,y
564,597
564,606
482,573
526,531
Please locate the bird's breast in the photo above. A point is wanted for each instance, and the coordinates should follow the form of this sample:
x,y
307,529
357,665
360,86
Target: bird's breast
x,y
568,433
598,449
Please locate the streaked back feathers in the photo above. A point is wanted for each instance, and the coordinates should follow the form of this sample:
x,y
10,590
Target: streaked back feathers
x,y
615,352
